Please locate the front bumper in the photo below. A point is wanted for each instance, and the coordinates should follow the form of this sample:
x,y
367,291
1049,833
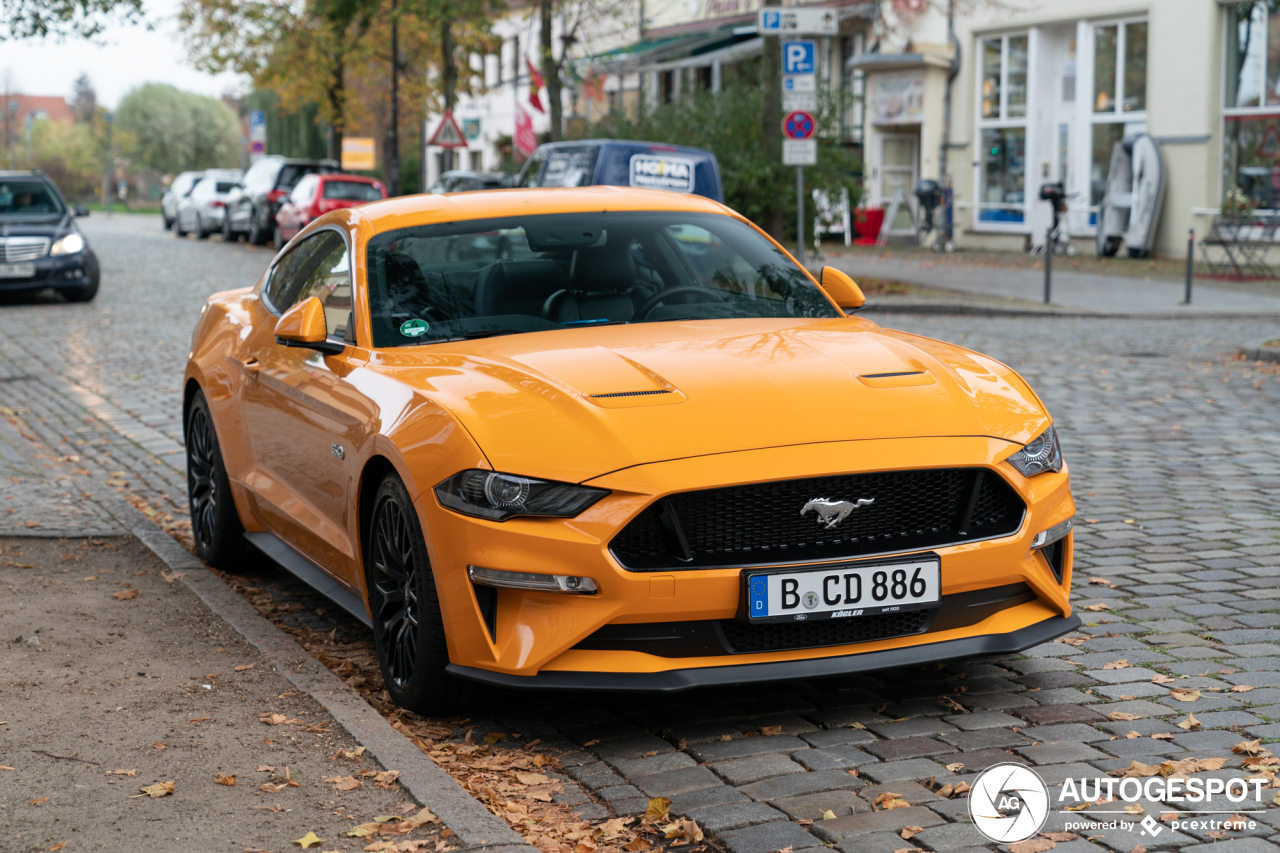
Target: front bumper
x,y
55,271
521,634
675,680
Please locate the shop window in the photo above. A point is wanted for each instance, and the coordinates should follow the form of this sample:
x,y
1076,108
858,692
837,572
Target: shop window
x,y
1003,175
1251,119
1120,67
1119,96
1002,120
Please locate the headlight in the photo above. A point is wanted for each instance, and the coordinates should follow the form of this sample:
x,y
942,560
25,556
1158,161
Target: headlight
x,y
68,245
487,494
1042,454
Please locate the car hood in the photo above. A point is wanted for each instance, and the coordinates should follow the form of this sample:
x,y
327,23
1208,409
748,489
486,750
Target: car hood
x,y
577,403
50,225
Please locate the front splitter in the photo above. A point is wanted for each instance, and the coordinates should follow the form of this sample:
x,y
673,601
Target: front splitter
x,y
675,680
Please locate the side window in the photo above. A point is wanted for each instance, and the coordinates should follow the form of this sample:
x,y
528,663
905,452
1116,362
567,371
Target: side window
x,y
533,170
320,267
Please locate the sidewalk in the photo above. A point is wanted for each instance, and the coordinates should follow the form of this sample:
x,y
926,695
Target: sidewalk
x,y
107,694
1082,292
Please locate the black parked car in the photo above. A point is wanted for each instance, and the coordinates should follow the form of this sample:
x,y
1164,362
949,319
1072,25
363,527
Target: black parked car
x,y
251,209
461,181
40,245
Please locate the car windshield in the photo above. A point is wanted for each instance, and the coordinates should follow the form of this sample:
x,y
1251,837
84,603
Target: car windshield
x,y
21,199
294,172
351,191
506,276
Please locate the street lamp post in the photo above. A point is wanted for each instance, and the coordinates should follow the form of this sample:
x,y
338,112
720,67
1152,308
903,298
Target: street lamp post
x,y
106,167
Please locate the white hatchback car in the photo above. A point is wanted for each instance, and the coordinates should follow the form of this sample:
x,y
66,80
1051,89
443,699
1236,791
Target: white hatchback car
x,y
202,210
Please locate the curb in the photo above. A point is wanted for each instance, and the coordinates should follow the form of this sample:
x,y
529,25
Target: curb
x,y
1262,352
475,826
992,311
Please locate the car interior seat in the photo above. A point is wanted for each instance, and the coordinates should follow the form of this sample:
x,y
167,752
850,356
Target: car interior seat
x,y
600,283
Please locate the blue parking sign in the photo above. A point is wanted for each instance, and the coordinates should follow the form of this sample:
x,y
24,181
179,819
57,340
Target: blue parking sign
x,y
799,57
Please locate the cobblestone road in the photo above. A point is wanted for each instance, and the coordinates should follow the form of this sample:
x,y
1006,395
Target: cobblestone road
x,y
1175,457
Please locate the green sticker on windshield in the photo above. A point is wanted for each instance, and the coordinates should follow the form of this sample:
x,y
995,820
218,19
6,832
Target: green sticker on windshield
x,y
414,328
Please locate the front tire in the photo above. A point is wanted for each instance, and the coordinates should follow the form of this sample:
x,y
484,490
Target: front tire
x,y
256,236
408,629
227,235
215,524
83,293
202,233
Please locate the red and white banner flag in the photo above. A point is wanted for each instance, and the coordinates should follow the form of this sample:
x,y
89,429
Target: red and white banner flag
x,y
525,139
535,83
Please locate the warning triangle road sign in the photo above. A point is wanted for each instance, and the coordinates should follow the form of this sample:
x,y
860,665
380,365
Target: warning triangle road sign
x,y
448,134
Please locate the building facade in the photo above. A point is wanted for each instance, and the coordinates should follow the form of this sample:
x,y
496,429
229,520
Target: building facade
x,y
1040,92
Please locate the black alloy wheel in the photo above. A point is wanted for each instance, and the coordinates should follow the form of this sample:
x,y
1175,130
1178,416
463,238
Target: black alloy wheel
x,y
215,524
408,630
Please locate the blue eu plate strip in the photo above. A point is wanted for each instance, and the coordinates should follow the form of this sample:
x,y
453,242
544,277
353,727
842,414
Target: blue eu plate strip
x,y
758,596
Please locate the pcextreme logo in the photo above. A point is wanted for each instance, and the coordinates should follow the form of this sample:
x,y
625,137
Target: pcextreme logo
x,y
1008,803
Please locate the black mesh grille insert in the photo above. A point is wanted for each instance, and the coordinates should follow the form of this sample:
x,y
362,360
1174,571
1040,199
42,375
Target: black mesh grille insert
x,y
761,523
744,637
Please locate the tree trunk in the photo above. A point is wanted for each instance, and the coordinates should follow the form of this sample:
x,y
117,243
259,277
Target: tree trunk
x,y
391,170
449,73
551,71
337,95
771,127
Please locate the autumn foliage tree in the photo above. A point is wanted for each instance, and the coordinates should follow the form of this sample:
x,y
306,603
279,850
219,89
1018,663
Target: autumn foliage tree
x,y
323,51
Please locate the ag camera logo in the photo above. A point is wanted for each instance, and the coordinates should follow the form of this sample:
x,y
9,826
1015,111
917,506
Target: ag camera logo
x,y
1009,803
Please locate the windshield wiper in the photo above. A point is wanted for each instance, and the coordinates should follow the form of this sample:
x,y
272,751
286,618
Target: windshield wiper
x,y
602,322
486,333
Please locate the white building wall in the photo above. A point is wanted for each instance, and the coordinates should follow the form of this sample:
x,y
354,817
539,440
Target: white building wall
x,y
1185,41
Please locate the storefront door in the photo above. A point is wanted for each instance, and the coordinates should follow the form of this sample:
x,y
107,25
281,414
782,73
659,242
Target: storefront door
x,y
898,167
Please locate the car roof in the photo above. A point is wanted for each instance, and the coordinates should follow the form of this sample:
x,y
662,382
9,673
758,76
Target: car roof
x,y
653,146
24,173
467,173
428,209
343,176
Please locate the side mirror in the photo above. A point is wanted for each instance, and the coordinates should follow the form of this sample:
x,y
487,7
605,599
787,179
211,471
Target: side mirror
x,y
843,290
81,210
304,325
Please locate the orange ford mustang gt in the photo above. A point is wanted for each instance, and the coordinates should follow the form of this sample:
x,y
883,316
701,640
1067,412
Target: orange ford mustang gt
x,y
616,439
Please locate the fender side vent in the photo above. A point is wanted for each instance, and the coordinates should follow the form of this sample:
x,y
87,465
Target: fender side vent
x,y
487,599
629,394
888,375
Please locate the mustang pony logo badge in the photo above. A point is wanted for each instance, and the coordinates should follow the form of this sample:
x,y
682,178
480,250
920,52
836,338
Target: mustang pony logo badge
x,y
833,512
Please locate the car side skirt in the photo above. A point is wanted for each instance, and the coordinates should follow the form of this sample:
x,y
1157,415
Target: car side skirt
x,y
309,573
675,680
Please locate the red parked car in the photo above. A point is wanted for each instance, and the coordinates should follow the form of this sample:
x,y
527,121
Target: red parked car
x,y
318,194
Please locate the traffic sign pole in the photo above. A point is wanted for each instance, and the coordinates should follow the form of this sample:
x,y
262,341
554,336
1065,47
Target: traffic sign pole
x,y
800,214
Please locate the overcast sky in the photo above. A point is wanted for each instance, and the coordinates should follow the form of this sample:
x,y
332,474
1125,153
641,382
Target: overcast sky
x,y
124,58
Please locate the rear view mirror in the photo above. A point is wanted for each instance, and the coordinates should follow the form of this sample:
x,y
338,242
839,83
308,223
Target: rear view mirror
x,y
843,290
303,325
81,210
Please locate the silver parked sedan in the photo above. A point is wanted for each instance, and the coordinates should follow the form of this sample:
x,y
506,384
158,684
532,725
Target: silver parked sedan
x,y
202,211
179,189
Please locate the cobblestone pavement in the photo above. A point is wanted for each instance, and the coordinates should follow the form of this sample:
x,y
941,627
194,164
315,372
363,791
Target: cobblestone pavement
x,y
1175,461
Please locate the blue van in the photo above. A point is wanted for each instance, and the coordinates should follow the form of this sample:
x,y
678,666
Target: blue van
x,y
623,163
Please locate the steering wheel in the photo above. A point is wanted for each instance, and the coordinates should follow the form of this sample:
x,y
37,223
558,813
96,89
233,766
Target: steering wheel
x,y
658,298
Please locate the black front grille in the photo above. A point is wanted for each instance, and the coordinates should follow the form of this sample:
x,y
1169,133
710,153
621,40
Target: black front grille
x,y
761,523
775,636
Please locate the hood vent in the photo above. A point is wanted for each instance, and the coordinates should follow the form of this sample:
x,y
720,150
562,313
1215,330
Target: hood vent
x,y
628,394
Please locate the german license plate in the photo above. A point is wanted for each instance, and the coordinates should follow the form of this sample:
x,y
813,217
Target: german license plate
x,y
17,270
841,591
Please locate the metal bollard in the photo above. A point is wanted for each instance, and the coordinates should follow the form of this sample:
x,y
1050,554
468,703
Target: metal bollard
x,y
1048,264
1191,262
